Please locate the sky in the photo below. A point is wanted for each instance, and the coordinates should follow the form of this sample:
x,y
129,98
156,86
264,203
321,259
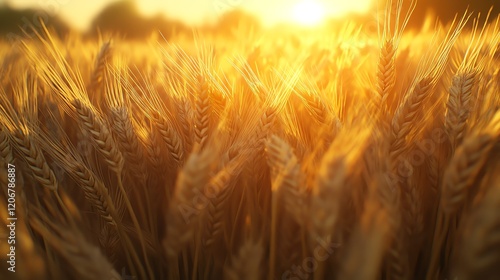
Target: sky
x,y
79,13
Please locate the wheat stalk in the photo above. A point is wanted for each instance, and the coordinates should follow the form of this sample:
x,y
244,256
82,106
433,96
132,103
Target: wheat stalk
x,y
182,130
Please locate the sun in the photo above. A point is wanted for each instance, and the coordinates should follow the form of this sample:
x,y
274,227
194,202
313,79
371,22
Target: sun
x,y
308,12
314,12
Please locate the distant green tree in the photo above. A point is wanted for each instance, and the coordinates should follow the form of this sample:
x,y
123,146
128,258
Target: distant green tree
x,y
22,24
120,17
123,18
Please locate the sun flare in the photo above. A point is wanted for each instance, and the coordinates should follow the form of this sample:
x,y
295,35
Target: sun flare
x,y
308,12
313,12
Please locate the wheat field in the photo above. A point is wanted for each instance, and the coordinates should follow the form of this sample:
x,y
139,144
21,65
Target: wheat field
x,y
340,154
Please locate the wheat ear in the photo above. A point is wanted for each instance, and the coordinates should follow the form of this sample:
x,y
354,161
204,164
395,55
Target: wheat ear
x,y
479,246
100,134
386,71
263,126
101,61
463,170
330,182
459,176
222,187
85,259
171,138
35,159
287,179
247,264
153,149
201,112
181,223
121,120
6,156
402,122
185,116
388,193
365,251
316,107
93,188
5,147
292,185
459,105
127,139
412,214
20,132
392,31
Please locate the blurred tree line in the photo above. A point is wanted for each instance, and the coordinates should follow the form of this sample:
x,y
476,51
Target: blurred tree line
x,y
122,18
119,18
18,23
447,9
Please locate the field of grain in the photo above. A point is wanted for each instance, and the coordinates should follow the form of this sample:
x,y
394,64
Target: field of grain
x,y
344,153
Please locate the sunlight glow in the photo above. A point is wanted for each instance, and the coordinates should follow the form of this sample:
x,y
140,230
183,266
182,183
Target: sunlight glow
x,y
305,12
308,12
313,12
343,7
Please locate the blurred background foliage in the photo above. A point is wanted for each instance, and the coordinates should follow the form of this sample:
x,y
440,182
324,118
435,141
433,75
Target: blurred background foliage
x,y
123,18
